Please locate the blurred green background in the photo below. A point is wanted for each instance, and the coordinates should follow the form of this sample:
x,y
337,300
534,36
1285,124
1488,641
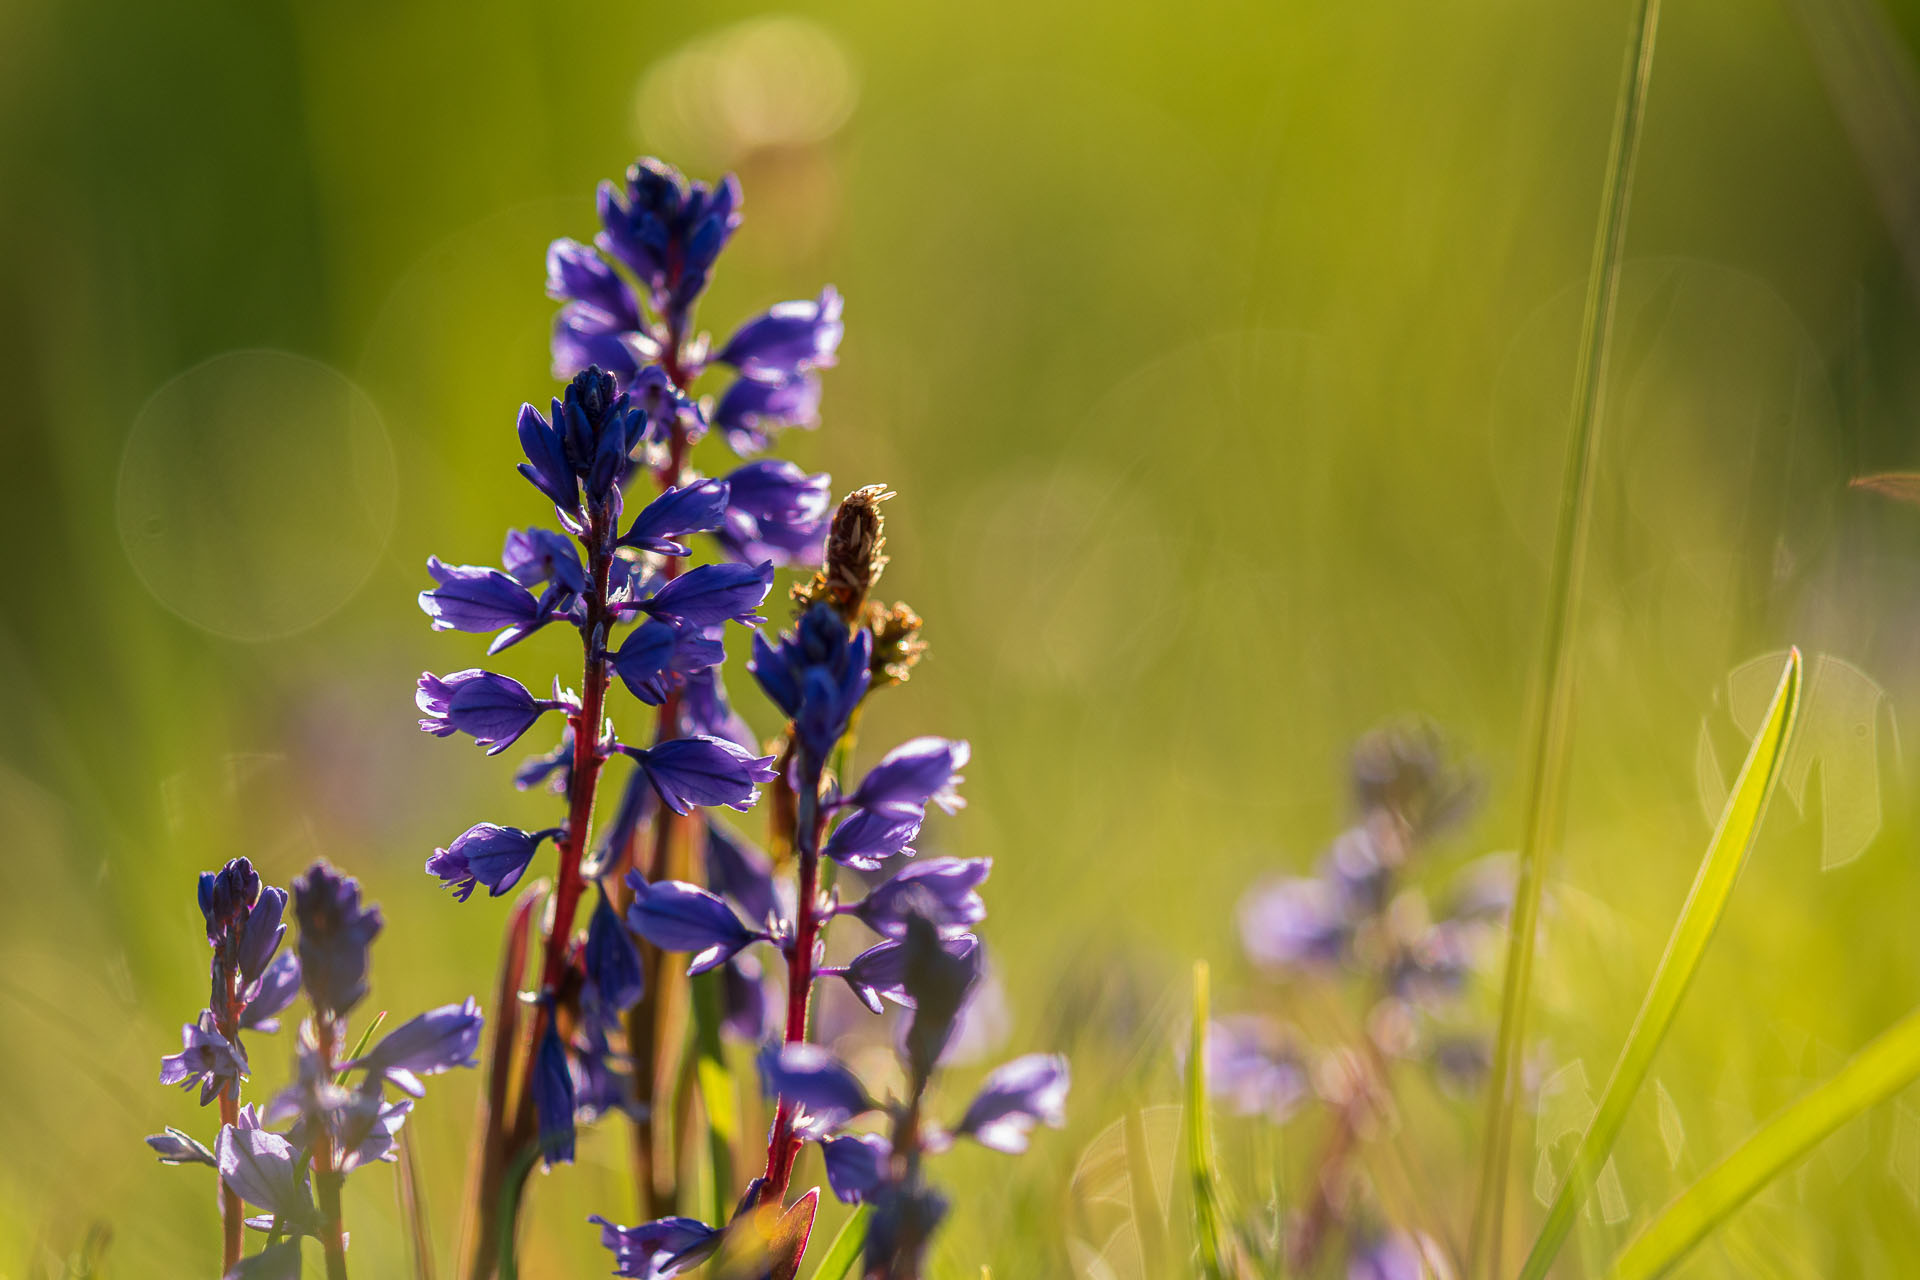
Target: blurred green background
x,y
1221,355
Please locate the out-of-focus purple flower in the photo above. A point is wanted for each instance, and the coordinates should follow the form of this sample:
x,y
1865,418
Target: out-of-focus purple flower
x,y
709,594
750,410
261,934
1462,1062
811,1078
553,1098
425,1045
270,994
676,916
265,1170
1405,771
789,338
1025,1092
656,1250
336,932
367,1127
206,1058
1361,869
227,896
667,230
477,599
905,1216
746,1009
705,710
576,273
615,980
943,890
1289,923
312,1097
601,1082
1432,965
535,556
657,657
739,871
494,709
938,982
1397,1255
702,771
176,1147
489,854
912,775
866,838
881,970
816,675
856,1165
1251,1064
275,1262
693,508
776,512
551,768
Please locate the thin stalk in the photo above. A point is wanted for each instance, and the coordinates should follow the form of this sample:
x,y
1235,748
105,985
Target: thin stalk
x,y
232,1215
1552,728
326,1170
782,1146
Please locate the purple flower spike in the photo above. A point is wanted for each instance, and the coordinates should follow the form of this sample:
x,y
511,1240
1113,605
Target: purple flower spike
x,y
944,890
478,600
336,933
656,1250
494,709
856,1165
615,980
713,593
912,775
693,508
1289,923
881,970
676,916
813,1079
867,838
206,1058
751,409
686,772
426,1045
553,1098
816,675
264,1169
488,854
658,656
668,231
789,338
1027,1091
227,896
739,871
270,994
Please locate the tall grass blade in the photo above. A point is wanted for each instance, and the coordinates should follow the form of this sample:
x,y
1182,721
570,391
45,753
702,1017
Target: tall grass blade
x,y
1712,885
1209,1217
413,1208
837,1262
1553,699
1870,1077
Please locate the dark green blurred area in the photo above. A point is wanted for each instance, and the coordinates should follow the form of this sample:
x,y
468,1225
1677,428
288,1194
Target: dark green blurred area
x,y
1220,355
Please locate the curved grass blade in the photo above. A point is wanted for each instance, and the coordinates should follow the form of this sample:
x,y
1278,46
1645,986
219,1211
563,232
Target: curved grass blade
x,y
1553,698
1901,486
1870,1077
1706,900
1209,1216
837,1262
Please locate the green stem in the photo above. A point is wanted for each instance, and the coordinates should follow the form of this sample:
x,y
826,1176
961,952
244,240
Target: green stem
x,y
1553,700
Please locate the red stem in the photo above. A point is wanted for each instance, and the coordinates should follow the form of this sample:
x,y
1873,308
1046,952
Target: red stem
x,y
782,1147
232,1216
327,1176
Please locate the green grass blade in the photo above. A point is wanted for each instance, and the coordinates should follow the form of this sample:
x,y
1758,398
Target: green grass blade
x,y
837,1262
1706,900
1209,1217
1871,1076
1553,698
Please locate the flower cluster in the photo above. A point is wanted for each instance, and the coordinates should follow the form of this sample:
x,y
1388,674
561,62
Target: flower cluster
x,y
333,1124
1359,925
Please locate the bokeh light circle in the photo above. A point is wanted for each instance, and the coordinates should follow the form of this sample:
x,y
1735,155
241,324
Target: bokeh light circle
x,y
256,493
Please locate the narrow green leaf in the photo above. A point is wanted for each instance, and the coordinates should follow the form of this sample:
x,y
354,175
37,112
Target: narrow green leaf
x,y
1706,900
1209,1218
1552,728
837,1262
366,1036
1870,1077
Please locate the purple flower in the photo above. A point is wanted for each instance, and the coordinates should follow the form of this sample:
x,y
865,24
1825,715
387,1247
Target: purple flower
x,y
576,273
656,1250
551,768
712,593
1252,1066
943,890
881,970
475,599
667,231
588,443
693,508
206,1058
1288,923
488,854
776,512
658,656
912,775
269,995
336,933
553,1098
366,1128
226,897
866,838
176,1147
741,872
938,982
705,710
686,772
426,1045
1025,1092
265,1170
1396,1255
789,338
811,1078
856,1165
751,409
261,934
816,675
676,916
615,981
535,556
743,996
494,709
